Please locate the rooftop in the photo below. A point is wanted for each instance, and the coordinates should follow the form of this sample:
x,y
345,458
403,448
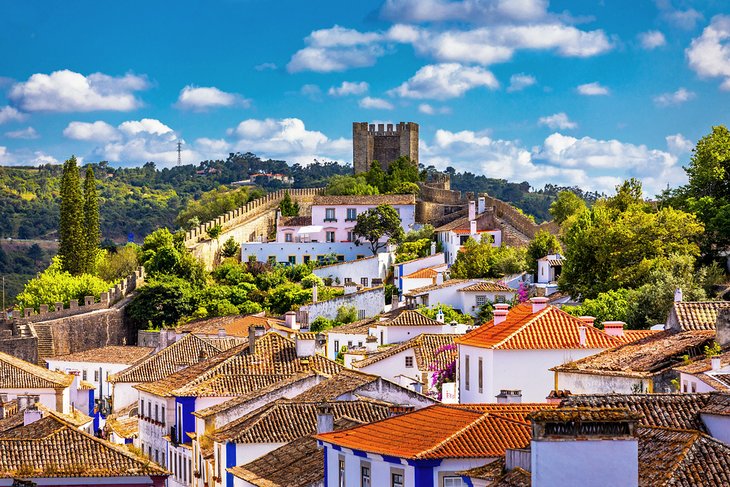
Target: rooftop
x,y
425,347
19,374
235,326
295,221
436,432
360,327
408,317
697,315
644,358
549,328
109,355
333,387
368,200
432,287
486,286
484,223
427,273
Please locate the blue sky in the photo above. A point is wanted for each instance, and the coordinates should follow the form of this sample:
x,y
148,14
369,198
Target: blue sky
x,y
577,93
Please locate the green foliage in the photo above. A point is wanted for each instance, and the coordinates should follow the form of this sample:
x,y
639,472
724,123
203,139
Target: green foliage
x,y
450,314
55,285
713,350
614,305
92,232
230,247
544,243
486,312
233,274
375,176
376,223
401,178
212,204
162,254
162,301
120,263
628,194
350,185
287,296
321,324
566,204
72,243
309,281
287,207
346,314
412,250
214,232
481,259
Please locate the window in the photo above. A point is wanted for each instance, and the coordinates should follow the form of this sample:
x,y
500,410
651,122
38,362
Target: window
x,y
306,259
162,419
149,410
341,472
365,475
454,482
359,256
350,236
349,344
694,386
106,375
340,258
409,362
141,409
361,314
149,452
480,375
348,280
83,374
351,214
684,386
96,376
337,347
364,281
377,282
157,455
466,372
329,237
396,480
481,300
292,259
288,237
500,298
157,412
329,215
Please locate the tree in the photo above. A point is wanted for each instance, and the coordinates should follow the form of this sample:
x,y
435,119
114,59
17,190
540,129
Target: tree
x,y
614,305
72,243
230,247
35,253
287,207
214,232
544,243
481,259
377,223
349,185
92,234
709,167
627,194
161,301
566,205
375,176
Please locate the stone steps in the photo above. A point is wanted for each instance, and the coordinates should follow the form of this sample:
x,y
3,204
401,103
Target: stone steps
x,y
46,347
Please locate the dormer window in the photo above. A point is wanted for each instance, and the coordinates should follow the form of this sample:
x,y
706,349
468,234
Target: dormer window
x,y
329,215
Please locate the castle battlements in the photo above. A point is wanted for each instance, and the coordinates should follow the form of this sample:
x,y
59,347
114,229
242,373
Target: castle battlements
x,y
383,143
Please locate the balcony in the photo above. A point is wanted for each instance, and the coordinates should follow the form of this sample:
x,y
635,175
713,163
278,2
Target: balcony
x,y
327,220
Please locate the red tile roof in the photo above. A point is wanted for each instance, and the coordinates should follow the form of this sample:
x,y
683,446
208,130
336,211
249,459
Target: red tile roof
x,y
549,328
427,273
437,431
487,286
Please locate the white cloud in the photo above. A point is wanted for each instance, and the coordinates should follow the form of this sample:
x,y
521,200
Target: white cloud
x,y
684,19
203,98
67,91
145,126
677,98
26,133
492,11
557,121
336,49
349,88
444,81
593,89
25,158
428,109
652,39
375,103
288,139
10,114
520,81
98,131
709,54
40,157
311,91
212,148
679,144
265,67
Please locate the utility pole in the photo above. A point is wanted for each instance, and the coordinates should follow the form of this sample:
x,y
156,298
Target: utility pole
x,y
179,153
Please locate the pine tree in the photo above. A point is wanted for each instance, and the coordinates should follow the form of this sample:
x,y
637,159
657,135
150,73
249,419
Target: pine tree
x,y
92,234
71,226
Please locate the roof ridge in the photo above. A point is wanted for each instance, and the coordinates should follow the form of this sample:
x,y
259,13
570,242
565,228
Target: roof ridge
x,y
455,434
529,322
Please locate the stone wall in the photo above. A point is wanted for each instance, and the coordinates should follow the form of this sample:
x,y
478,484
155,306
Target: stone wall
x,y
25,348
251,223
383,143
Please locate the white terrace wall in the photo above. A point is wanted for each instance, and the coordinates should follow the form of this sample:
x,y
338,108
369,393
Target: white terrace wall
x,y
250,223
368,302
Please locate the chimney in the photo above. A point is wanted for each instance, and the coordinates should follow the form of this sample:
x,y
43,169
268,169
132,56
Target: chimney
x,y
31,415
472,210
440,316
221,332
588,320
325,418
439,278
507,396
314,293
252,339
582,335
290,318
500,315
398,409
472,227
557,396
614,328
371,343
538,303
678,295
394,300
481,205
716,363
433,248
722,327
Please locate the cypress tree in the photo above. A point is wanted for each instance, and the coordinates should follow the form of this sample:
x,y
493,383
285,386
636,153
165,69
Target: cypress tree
x,y
92,234
71,227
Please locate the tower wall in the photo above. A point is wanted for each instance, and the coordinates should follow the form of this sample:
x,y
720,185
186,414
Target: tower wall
x,y
383,143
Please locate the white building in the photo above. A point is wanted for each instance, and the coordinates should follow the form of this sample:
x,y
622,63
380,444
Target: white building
x,y
466,295
705,375
515,351
30,384
366,272
478,224
433,264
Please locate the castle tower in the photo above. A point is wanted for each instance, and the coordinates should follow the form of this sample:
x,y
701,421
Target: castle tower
x,y
383,144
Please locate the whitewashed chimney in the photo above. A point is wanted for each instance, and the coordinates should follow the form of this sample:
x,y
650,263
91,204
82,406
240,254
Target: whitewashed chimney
x,y
538,303
314,293
588,320
439,278
290,318
325,418
614,328
506,396
500,315
472,210
371,343
221,332
678,295
716,364
582,335
31,415
433,248
473,227
440,316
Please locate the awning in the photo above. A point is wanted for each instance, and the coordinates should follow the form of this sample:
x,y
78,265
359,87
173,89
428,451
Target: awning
x,y
310,229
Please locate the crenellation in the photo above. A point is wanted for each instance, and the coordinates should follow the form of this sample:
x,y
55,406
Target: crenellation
x,y
384,143
43,309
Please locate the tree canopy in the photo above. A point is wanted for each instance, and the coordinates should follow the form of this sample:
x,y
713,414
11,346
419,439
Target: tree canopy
x,y
376,223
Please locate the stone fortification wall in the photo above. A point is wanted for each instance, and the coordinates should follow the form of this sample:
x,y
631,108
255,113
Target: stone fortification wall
x,y
251,223
519,221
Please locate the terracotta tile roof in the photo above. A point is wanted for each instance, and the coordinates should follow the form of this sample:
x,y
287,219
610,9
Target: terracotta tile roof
x,y
228,385
517,477
331,388
85,385
427,273
409,317
189,350
703,364
487,286
51,448
360,327
549,328
75,418
643,358
635,335
697,315
517,411
285,420
109,355
19,374
299,463
10,423
295,221
126,427
432,287
462,223
422,258
434,432
583,414
665,410
235,326
370,200
719,404
491,471
702,370
675,457
425,347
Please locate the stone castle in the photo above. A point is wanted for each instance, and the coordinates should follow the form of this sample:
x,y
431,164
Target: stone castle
x,y
383,144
